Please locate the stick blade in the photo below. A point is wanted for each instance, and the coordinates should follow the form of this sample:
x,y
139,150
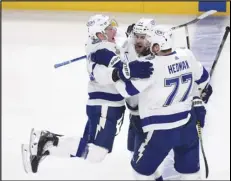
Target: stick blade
x,y
25,150
208,13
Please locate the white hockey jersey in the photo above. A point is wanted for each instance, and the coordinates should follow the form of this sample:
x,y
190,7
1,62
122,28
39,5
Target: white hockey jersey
x,y
102,56
132,102
165,98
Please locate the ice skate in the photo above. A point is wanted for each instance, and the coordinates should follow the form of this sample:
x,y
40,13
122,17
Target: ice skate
x,y
37,149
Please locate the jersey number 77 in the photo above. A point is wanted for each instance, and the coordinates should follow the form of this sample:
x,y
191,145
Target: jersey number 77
x,y
176,82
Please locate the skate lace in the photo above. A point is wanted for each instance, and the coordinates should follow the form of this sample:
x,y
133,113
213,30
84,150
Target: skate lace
x,y
46,147
45,151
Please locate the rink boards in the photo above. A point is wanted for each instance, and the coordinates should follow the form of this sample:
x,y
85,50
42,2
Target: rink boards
x,y
193,7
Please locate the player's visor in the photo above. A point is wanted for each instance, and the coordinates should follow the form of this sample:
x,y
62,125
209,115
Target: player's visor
x,y
113,23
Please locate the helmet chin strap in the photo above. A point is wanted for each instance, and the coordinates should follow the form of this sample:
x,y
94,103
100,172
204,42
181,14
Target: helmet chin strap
x,y
105,36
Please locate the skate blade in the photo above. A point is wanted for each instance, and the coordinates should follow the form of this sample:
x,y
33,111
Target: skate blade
x,y
34,139
30,142
26,158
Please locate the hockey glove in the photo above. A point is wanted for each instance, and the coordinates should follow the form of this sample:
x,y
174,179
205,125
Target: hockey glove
x,y
130,29
135,69
206,93
199,110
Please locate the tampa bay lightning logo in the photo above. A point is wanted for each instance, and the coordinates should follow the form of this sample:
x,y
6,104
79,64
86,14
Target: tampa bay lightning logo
x,y
90,23
159,33
152,22
140,23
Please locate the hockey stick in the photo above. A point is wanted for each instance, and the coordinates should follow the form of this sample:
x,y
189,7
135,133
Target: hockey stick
x,y
69,61
227,30
187,37
203,150
202,16
198,122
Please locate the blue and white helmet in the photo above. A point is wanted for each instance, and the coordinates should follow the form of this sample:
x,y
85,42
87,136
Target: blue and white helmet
x,y
141,35
144,25
98,23
162,36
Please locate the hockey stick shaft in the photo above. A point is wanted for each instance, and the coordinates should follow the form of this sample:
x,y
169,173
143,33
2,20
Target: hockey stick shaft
x,y
227,30
202,16
69,61
187,37
198,122
203,150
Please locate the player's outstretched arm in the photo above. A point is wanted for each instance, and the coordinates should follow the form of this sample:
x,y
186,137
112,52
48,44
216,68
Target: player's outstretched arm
x,y
133,78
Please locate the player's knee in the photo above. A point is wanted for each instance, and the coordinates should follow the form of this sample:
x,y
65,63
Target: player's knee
x,y
191,176
188,160
189,168
96,154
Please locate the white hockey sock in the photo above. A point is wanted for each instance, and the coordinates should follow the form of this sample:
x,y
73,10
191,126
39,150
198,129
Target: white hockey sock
x,y
191,176
138,176
67,147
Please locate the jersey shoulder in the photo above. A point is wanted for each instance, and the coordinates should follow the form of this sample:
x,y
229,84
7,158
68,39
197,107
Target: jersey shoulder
x,y
93,46
183,51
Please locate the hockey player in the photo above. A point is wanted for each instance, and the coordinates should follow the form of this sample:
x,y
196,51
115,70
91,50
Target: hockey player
x,y
138,48
107,54
105,107
165,108
140,28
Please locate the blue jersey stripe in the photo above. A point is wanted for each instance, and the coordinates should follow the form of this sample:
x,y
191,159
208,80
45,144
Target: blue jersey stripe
x,y
160,119
105,96
130,88
204,77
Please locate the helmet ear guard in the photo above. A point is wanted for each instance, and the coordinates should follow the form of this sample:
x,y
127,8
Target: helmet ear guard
x,y
161,36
